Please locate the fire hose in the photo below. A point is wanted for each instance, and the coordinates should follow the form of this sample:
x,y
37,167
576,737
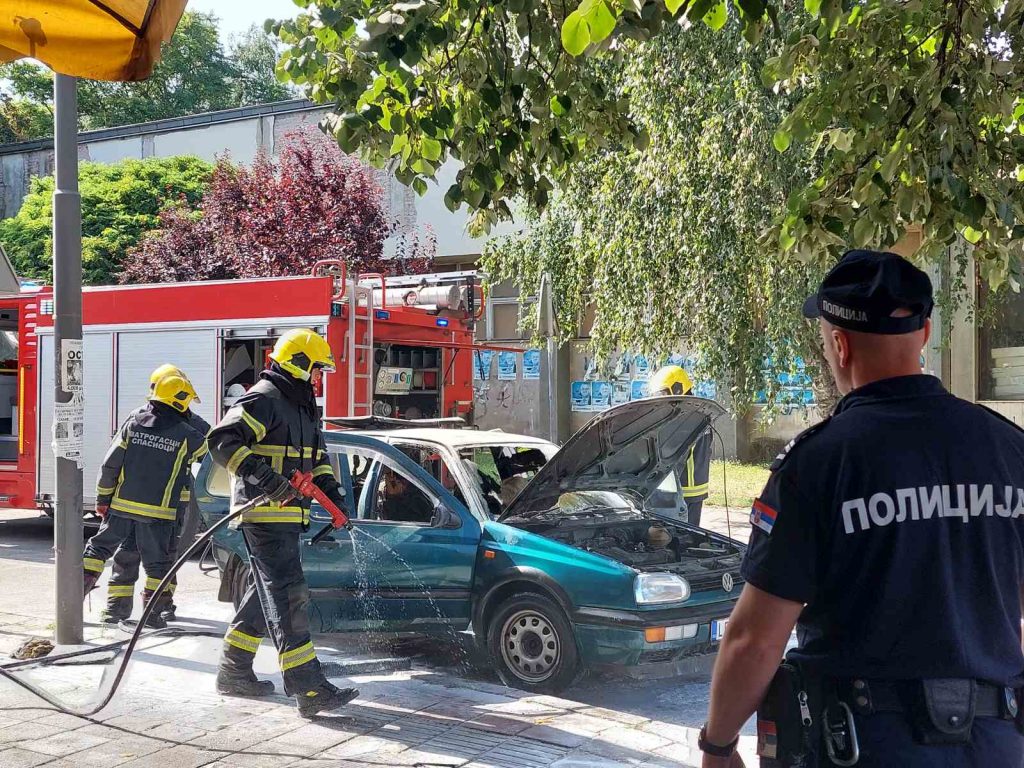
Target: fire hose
x,y
302,484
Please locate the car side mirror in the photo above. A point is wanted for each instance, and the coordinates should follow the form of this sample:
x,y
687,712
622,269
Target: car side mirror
x,y
445,518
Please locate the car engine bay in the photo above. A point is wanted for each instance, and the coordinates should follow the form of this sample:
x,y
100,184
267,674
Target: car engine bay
x,y
639,541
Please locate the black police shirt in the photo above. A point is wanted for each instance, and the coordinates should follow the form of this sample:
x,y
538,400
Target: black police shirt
x,y
899,522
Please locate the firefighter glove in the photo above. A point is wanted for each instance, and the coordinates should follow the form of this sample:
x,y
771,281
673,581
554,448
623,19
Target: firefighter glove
x,y
272,483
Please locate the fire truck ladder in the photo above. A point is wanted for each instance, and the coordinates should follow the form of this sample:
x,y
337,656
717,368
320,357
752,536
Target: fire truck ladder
x,y
360,348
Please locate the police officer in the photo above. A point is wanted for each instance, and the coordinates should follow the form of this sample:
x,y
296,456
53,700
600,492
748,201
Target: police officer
x,y
693,480
125,564
891,535
141,482
271,432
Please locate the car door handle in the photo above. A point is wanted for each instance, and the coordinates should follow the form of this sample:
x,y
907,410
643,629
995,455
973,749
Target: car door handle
x,y
327,543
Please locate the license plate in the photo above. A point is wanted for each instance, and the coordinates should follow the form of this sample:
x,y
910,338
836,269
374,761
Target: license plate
x,y
718,628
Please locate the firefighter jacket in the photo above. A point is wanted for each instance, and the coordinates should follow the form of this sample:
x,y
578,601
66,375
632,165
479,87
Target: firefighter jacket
x,y
148,464
697,472
276,425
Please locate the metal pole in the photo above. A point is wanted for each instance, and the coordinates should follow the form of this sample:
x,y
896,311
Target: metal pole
x,y
67,324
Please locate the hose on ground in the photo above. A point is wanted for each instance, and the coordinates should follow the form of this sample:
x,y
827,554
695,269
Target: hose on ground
x,y
130,644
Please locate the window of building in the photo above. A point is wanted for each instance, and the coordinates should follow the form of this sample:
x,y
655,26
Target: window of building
x,y
1000,345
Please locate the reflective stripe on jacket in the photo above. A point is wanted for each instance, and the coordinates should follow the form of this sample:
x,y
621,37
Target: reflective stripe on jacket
x,y
697,472
268,425
147,467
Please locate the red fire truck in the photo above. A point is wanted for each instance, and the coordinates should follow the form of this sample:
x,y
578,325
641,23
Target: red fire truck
x,y
402,347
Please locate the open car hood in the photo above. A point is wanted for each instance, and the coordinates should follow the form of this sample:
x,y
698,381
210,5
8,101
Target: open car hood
x,y
630,447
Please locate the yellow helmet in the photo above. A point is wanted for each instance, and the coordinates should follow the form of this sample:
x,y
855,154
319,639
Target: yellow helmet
x,y
174,389
301,350
670,380
162,371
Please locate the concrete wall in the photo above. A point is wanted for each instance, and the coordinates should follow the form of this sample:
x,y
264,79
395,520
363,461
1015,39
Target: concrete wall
x,y
239,134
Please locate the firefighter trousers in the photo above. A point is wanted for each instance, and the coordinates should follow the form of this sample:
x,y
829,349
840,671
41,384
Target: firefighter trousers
x,y
154,542
276,602
124,573
693,510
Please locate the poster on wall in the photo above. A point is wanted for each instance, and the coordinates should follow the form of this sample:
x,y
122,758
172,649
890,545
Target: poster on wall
x,y
531,364
641,367
580,391
600,395
620,392
71,378
507,366
637,390
482,364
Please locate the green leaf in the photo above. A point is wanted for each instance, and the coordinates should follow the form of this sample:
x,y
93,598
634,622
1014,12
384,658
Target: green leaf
x,y
601,21
560,105
575,33
420,186
674,5
972,236
431,149
813,7
863,231
781,140
717,16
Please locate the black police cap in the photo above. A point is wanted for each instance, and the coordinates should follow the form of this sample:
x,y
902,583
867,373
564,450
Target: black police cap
x,y
864,290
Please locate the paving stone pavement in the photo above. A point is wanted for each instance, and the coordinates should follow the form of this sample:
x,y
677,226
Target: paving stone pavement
x,y
167,716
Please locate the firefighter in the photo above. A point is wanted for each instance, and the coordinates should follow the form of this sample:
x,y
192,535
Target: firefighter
x,y
271,432
141,482
125,565
693,485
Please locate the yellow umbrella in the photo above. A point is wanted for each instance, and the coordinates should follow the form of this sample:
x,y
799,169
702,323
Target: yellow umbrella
x,y
94,39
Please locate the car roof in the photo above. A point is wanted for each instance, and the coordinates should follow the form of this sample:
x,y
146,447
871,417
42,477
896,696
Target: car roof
x,y
456,438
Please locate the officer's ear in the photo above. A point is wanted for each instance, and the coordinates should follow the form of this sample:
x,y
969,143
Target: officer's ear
x,y
841,345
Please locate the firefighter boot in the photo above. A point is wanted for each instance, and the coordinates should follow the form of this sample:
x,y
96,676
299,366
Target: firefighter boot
x,y
240,683
155,619
323,698
120,602
169,613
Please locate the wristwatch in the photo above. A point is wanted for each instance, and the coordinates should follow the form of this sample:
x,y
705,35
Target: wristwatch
x,y
715,750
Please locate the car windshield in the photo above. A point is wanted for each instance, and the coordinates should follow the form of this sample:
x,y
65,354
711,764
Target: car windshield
x,y
502,471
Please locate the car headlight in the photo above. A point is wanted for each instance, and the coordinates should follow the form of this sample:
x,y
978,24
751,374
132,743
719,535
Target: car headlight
x,y
660,588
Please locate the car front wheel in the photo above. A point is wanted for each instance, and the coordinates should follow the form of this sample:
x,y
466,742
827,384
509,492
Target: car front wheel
x,y
532,644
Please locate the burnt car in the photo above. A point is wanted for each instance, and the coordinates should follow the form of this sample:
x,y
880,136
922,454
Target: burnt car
x,y
551,557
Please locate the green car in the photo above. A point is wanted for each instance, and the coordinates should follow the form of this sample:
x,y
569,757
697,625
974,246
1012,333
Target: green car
x,y
550,557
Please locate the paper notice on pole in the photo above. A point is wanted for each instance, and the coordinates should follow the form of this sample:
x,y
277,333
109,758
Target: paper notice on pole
x,y
71,378
69,430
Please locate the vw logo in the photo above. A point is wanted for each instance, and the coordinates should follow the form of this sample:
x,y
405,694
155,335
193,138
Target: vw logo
x,y
727,583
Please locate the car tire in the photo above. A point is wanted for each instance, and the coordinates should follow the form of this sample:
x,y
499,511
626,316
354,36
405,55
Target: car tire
x,y
532,645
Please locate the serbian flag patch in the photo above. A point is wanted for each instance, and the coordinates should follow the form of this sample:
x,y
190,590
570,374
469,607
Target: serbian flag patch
x,y
767,739
763,516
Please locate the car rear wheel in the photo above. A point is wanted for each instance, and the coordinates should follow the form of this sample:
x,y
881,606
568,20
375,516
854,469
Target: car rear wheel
x,y
532,644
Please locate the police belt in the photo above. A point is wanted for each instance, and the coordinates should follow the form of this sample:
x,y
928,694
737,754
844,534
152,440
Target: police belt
x,y
866,697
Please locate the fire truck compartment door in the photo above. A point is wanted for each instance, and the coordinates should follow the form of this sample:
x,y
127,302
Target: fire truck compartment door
x,y
97,356
140,352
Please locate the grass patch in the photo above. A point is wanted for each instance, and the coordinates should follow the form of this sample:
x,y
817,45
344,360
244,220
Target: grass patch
x,y
746,481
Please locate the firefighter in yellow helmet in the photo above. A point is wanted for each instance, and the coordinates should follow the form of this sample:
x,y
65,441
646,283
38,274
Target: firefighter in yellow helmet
x,y
124,570
141,482
693,476
272,431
